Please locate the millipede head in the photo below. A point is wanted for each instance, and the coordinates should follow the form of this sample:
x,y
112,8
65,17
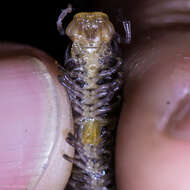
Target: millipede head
x,y
90,29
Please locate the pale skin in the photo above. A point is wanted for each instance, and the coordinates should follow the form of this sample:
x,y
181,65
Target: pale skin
x,y
153,136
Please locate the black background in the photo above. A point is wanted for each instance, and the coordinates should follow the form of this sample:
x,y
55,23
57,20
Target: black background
x,y
36,26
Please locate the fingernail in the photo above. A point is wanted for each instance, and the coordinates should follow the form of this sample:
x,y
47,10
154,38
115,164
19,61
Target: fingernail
x,y
34,120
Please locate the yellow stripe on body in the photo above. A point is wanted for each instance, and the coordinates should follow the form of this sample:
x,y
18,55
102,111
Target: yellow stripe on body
x,y
91,132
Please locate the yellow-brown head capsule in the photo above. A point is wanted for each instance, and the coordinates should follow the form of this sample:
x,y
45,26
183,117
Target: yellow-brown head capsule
x,y
90,29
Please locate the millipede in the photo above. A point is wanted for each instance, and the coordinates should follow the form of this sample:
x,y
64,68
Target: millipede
x,y
93,77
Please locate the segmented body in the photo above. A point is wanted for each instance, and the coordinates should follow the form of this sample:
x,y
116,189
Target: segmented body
x,y
93,79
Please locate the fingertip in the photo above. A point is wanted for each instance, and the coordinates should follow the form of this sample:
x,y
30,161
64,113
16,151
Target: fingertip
x,y
35,119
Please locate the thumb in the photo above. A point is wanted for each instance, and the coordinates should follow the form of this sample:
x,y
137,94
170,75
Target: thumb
x,y
34,121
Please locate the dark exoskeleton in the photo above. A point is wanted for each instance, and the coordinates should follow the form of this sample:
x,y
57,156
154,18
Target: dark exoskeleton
x,y
93,77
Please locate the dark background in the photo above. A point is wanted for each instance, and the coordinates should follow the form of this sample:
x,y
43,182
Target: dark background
x,y
36,25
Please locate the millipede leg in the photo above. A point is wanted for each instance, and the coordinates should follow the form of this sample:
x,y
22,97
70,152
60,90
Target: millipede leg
x,y
70,85
61,17
68,158
70,139
78,109
106,109
127,28
111,70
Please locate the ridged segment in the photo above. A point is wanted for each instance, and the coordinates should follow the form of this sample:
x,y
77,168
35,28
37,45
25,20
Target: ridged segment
x,y
93,79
